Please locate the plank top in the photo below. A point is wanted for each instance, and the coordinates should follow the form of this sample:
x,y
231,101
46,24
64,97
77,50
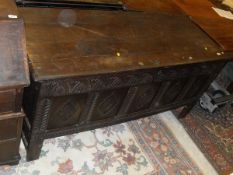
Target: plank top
x,y
68,42
201,12
13,60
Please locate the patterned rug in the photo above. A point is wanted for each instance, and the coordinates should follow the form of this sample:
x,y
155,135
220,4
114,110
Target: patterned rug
x,y
141,147
213,133
213,136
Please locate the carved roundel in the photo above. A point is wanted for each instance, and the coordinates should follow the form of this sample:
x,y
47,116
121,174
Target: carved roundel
x,y
108,104
66,110
144,97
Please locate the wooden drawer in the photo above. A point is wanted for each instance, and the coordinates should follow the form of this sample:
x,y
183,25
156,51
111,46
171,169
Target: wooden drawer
x,y
10,134
10,101
9,151
7,101
10,126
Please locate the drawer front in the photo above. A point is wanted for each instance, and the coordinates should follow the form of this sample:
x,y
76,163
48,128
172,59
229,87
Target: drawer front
x,y
10,101
10,127
7,101
9,151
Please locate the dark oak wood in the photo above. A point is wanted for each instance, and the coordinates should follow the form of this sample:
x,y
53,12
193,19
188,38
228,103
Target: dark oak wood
x,y
58,107
60,45
13,78
96,68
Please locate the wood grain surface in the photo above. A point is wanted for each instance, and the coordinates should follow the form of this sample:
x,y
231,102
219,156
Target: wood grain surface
x,y
68,42
13,60
201,12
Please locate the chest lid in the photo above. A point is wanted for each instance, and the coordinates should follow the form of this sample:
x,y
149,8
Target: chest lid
x,y
70,42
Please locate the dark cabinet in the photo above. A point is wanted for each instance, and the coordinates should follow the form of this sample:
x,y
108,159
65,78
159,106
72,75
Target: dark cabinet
x,y
13,78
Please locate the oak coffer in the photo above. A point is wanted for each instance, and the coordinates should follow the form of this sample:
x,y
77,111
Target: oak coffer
x,y
92,68
13,77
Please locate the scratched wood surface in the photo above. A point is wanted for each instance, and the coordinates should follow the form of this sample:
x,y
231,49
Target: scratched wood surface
x,y
13,77
64,43
13,61
219,28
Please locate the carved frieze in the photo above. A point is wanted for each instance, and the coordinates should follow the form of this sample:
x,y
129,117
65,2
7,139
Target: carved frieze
x,y
70,86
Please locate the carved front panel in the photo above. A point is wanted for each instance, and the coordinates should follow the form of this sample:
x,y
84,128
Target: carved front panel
x,y
108,104
197,86
144,96
63,87
66,110
173,91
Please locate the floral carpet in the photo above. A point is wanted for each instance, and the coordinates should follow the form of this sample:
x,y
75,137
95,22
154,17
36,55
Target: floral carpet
x,y
141,147
213,133
214,137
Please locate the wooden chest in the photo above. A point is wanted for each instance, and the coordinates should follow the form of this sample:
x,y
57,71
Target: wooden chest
x,y
13,78
96,68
